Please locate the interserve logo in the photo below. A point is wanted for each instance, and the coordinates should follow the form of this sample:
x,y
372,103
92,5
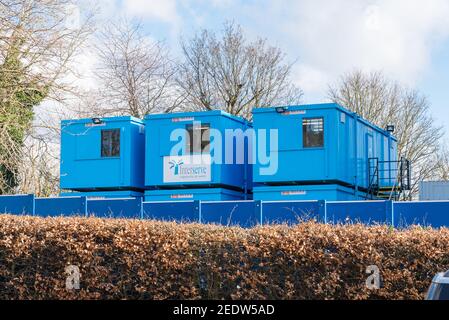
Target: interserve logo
x,y
193,168
174,165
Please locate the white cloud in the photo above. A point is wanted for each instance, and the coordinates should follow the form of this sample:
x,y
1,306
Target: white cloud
x,y
311,80
163,10
222,3
85,64
336,36
327,37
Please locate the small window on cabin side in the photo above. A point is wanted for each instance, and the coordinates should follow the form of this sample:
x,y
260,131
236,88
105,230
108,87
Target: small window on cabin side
x,y
198,140
313,132
110,143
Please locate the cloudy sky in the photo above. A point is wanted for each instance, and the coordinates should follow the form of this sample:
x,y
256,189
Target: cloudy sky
x,y
407,39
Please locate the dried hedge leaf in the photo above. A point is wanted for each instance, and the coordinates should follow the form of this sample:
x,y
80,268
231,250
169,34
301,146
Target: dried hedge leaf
x,y
138,259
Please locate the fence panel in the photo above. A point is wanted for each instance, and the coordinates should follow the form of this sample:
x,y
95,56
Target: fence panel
x,y
17,204
182,211
243,213
231,213
64,206
366,212
292,212
426,213
115,208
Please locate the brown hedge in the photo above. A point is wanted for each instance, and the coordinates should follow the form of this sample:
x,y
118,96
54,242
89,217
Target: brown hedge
x,y
132,259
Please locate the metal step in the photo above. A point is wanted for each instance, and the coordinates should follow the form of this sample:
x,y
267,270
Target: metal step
x,y
389,189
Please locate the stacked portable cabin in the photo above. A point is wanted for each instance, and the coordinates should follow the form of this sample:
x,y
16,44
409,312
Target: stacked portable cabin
x,y
325,152
102,157
186,157
316,152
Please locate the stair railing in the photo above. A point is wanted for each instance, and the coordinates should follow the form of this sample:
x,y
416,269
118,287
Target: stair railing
x,y
398,173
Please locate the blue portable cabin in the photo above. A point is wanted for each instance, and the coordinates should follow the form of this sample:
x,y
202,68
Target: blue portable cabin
x,y
102,157
183,159
327,147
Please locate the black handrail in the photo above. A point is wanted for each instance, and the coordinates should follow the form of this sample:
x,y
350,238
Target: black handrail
x,y
398,177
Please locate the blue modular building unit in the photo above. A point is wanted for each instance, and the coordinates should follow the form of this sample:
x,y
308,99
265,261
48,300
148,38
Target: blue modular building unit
x,y
197,150
102,155
326,144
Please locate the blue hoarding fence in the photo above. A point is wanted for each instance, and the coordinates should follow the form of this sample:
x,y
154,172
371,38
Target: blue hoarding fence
x,y
130,208
231,213
427,213
366,212
17,204
64,206
182,211
292,212
244,213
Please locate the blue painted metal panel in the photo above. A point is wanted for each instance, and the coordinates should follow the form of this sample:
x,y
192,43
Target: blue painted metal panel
x,y
165,131
187,211
425,213
367,212
292,212
243,213
230,213
17,204
115,208
306,192
104,194
53,207
205,194
348,142
84,168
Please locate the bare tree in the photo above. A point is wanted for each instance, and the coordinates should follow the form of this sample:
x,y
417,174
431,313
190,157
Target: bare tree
x,y
38,172
136,73
45,37
39,40
442,168
234,74
384,102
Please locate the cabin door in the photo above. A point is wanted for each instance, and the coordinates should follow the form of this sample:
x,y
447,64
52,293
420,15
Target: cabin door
x,y
370,154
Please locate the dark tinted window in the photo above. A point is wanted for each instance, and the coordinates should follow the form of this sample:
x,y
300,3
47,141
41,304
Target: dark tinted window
x,y
110,143
202,134
313,132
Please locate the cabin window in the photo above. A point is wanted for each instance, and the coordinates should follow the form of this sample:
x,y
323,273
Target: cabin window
x,y
110,143
200,132
313,132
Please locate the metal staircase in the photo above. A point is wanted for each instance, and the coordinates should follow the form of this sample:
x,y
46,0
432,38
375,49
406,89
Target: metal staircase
x,y
388,179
